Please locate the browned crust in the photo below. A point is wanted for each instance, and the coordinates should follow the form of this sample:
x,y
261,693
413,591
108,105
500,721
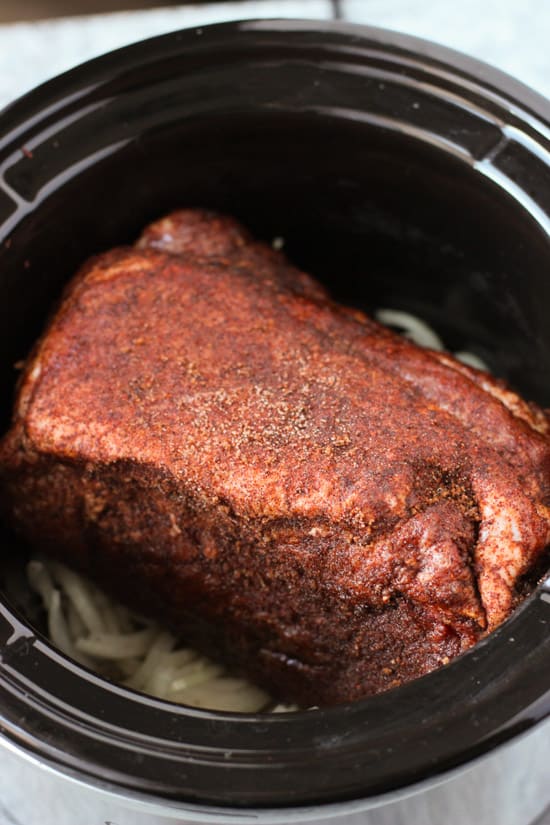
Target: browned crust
x,y
292,485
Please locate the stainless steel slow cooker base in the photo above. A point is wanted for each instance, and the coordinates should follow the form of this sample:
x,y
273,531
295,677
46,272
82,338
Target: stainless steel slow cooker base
x,y
509,787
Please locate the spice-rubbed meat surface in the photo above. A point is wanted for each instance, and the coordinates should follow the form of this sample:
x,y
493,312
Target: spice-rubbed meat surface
x,y
296,488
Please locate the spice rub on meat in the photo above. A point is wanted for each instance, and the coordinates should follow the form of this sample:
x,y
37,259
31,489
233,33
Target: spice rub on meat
x,y
297,489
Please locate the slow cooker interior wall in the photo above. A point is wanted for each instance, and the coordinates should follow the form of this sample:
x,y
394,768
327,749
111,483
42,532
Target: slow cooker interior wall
x,y
381,218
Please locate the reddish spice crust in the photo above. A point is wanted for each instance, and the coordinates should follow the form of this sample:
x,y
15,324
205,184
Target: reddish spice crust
x,y
294,487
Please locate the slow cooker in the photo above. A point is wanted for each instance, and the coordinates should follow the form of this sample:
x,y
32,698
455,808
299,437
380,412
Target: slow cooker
x,y
399,173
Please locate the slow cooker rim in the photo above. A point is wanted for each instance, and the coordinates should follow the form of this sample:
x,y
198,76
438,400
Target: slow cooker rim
x,y
497,713
21,644
496,84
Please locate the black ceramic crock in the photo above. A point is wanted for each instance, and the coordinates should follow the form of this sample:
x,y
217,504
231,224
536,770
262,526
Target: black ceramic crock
x,y
402,175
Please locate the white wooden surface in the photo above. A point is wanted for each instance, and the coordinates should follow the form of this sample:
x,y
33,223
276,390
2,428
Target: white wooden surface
x,y
33,52
513,35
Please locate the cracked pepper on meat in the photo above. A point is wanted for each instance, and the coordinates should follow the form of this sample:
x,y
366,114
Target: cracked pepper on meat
x,y
301,491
